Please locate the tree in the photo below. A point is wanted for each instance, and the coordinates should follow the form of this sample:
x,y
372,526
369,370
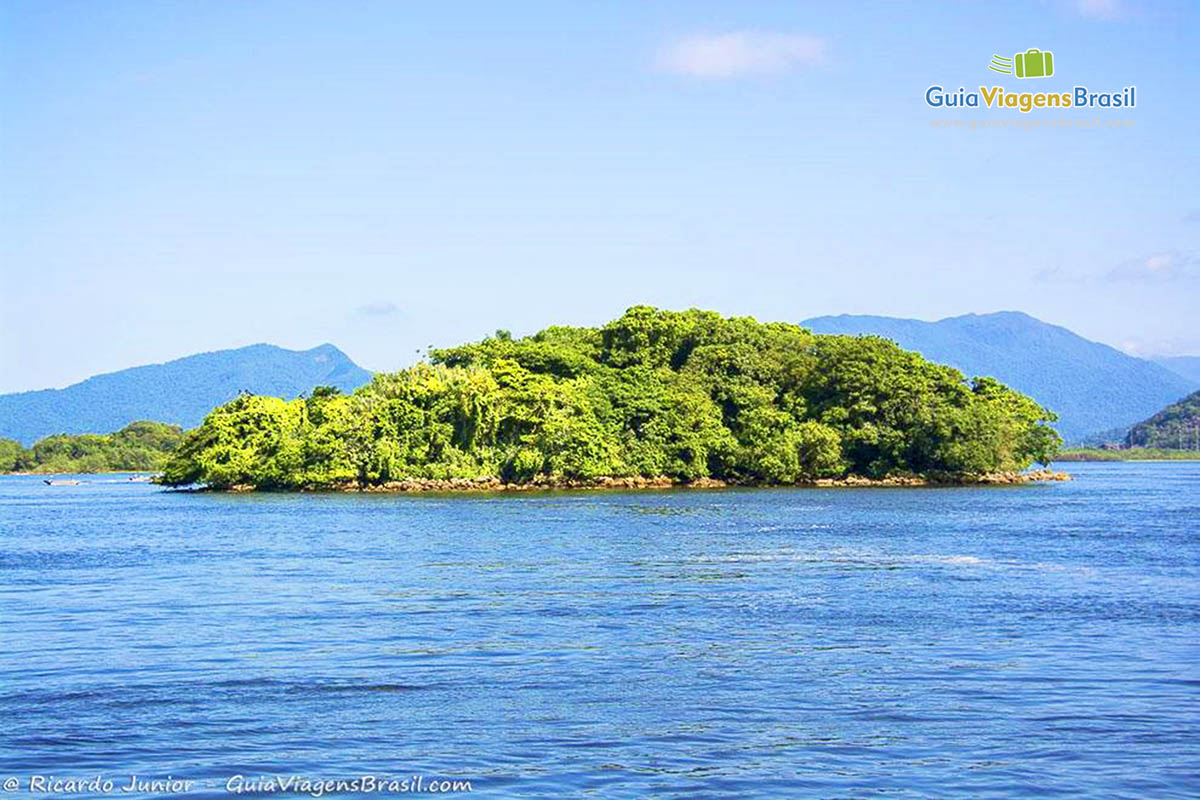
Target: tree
x,y
685,395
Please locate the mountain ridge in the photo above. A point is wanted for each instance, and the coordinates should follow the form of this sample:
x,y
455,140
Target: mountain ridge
x,y
178,392
1091,386
1185,366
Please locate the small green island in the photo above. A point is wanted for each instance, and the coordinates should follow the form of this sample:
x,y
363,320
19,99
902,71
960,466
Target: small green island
x,y
653,398
138,447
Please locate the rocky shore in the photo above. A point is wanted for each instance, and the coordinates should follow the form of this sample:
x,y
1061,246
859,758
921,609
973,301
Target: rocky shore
x,y
412,485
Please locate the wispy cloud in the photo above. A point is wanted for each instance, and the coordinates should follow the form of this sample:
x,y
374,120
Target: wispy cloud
x,y
1168,266
1192,216
1165,267
740,53
377,309
1162,347
1101,9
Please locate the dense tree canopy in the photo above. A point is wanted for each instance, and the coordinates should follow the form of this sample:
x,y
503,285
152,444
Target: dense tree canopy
x,y
685,395
138,447
1176,427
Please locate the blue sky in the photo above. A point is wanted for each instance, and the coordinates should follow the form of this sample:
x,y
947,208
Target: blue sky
x,y
179,177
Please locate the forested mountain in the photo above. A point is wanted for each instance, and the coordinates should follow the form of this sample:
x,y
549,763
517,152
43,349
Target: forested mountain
x,y
1176,427
179,392
655,394
1091,386
1186,366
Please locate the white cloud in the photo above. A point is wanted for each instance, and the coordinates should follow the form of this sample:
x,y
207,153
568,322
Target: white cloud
x,y
1158,268
1164,267
1100,9
730,55
1162,347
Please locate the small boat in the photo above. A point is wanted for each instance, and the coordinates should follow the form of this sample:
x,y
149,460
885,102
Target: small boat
x,y
56,482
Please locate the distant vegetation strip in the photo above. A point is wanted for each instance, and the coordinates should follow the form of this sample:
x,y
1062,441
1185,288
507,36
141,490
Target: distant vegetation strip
x,y
1175,427
138,447
1131,454
684,396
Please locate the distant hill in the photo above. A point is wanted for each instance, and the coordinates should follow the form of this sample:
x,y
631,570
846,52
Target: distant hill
x,y
1176,427
139,446
178,392
1187,366
1092,387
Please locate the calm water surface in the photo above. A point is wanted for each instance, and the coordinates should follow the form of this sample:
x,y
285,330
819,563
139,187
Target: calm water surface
x,y
990,642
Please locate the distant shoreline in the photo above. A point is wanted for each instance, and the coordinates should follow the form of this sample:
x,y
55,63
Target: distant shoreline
x,y
1135,454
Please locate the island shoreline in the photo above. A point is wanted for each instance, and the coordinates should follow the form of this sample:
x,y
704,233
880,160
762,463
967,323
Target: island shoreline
x,y
497,486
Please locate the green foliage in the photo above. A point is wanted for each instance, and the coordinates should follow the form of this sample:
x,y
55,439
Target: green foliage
x,y
1176,427
685,395
138,447
1130,454
12,455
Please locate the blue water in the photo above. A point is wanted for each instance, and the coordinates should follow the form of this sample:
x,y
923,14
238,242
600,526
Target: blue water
x,y
967,642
